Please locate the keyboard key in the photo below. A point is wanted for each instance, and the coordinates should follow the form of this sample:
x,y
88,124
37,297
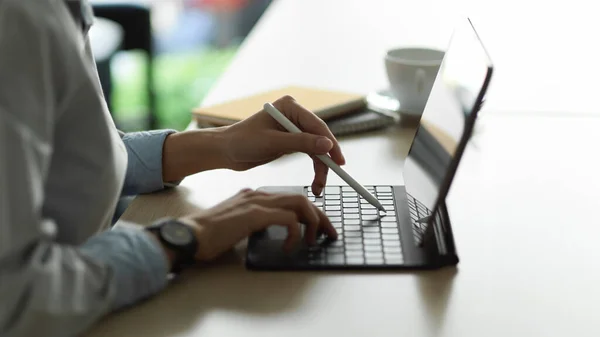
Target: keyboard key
x,y
352,222
390,237
336,225
369,211
384,197
314,248
391,243
347,189
370,223
351,216
370,229
309,193
354,253
333,250
355,260
366,205
375,261
389,230
335,219
386,194
350,205
332,202
373,249
374,254
333,213
389,218
392,256
353,234
312,198
332,190
336,243
352,228
392,250
333,197
335,259
333,208
354,246
388,207
349,194
384,189
316,262
386,202
354,240
373,242
350,199
371,235
389,225
368,217
394,261
350,210
318,203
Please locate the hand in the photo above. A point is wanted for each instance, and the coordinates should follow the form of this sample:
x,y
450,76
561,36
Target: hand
x,y
259,139
220,228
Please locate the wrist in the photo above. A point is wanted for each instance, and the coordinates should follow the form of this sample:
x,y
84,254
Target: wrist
x,y
189,152
202,253
169,254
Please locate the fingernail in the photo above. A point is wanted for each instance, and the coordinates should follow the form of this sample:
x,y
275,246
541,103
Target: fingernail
x,y
318,189
324,144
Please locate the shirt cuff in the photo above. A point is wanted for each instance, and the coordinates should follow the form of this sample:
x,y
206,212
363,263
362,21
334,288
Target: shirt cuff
x,y
144,162
138,264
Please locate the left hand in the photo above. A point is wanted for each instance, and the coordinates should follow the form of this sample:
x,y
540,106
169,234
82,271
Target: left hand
x,y
260,139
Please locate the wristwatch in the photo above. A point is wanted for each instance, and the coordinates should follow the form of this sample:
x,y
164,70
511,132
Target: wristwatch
x,y
179,238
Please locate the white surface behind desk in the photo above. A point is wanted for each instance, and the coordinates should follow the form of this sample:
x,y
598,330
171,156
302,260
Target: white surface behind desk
x,y
544,50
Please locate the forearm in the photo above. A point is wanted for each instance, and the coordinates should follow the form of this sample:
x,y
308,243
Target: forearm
x,y
55,290
194,151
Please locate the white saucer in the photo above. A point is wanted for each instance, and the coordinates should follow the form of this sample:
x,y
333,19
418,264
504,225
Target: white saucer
x,y
384,101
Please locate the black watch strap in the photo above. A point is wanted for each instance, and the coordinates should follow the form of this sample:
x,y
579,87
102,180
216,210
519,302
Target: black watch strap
x,y
183,244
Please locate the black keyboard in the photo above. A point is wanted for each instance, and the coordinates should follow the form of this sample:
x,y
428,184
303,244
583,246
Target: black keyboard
x,y
364,237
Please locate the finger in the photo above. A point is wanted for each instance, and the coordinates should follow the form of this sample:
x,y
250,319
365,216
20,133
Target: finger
x,y
305,211
326,226
300,142
260,217
320,179
309,122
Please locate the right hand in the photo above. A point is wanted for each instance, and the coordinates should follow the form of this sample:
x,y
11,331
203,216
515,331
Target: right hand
x,y
220,228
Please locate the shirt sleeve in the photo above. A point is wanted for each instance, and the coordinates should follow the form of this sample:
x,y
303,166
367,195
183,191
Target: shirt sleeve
x,y
47,288
144,162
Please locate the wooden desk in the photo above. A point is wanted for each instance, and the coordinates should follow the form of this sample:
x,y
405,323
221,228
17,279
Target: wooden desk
x,y
523,203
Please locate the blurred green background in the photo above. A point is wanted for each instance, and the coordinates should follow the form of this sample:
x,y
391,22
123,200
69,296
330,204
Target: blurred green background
x,y
181,82
193,43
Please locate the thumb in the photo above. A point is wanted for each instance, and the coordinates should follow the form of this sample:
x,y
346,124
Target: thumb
x,y
302,142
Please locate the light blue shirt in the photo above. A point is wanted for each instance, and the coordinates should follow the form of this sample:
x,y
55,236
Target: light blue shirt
x,y
63,167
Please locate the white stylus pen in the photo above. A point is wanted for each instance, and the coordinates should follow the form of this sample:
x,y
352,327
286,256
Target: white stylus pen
x,y
288,125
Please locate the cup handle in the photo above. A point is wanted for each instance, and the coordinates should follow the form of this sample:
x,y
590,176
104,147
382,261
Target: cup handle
x,y
420,77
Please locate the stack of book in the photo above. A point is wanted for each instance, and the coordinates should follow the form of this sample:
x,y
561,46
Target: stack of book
x,y
344,113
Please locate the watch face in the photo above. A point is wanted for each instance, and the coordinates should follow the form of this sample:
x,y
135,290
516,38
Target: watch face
x,y
176,233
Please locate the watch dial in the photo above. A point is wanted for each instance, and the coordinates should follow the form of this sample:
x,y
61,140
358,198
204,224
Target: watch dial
x,y
176,233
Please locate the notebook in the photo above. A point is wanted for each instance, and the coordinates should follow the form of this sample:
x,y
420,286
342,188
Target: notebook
x,y
361,121
326,104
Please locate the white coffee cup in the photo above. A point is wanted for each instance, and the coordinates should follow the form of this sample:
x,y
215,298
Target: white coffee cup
x,y
411,73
